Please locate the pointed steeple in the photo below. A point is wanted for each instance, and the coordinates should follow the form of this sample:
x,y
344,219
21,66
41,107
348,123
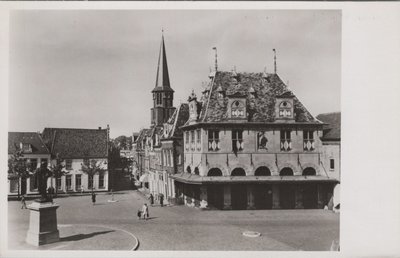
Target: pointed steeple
x,y
162,79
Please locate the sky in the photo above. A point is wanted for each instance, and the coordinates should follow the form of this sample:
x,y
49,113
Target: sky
x,y
90,68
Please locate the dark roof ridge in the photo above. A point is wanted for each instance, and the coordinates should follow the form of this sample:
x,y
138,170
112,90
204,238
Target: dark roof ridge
x,y
64,128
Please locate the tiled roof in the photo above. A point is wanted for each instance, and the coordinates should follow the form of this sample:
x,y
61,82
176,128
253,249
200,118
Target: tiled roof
x,y
261,108
177,119
76,143
32,138
332,127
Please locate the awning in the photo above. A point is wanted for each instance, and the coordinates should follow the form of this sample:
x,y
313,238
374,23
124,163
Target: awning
x,y
144,178
196,179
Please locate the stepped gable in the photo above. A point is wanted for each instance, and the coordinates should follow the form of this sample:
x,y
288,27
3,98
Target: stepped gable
x,y
32,138
261,108
76,143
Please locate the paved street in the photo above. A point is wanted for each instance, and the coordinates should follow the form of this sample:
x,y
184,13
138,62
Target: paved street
x,y
110,225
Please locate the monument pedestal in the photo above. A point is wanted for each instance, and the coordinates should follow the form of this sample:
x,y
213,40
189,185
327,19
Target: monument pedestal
x,y
42,224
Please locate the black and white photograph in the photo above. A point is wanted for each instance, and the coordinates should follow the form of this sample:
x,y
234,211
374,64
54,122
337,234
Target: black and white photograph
x,y
175,130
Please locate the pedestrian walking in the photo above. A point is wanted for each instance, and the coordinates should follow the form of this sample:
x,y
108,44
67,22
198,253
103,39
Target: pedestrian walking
x,y
93,198
139,214
161,200
151,198
145,211
23,203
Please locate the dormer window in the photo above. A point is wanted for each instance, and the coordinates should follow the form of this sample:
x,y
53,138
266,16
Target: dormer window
x,y
26,147
285,109
220,92
237,109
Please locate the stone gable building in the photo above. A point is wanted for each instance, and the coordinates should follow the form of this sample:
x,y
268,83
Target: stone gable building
x,y
251,144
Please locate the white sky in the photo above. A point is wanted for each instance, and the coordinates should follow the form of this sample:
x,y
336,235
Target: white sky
x,y
91,68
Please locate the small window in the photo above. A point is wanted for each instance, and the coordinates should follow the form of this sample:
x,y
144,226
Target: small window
x,y
191,136
101,181
286,143
78,182
59,186
33,164
331,164
68,182
285,109
68,164
308,140
26,147
213,140
237,140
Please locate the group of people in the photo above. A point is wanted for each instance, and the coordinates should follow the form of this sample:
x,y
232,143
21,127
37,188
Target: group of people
x,y
160,197
143,213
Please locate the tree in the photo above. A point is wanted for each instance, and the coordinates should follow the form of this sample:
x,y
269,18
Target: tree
x,y
92,168
57,170
17,168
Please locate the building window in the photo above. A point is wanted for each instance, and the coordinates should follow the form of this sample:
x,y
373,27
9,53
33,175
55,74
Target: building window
x,y
213,140
187,140
33,164
171,158
101,181
68,164
237,140
34,182
192,140
285,109
90,182
262,140
286,143
198,140
331,164
14,186
26,148
237,109
78,182
308,140
179,159
59,186
68,182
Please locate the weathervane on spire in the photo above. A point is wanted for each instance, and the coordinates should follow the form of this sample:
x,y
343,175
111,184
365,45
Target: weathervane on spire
x,y
274,59
216,59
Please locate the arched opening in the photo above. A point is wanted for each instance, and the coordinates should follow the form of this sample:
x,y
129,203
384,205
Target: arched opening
x,y
188,169
215,193
214,172
286,171
196,171
238,172
262,171
309,171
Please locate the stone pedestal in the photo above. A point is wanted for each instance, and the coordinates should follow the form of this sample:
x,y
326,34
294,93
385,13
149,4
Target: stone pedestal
x,y
42,224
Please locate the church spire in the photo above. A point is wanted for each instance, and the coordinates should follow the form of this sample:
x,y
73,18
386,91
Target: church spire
x,y
162,80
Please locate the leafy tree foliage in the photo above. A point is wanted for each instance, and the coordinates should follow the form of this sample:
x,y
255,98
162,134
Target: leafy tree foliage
x,y
92,168
18,168
57,170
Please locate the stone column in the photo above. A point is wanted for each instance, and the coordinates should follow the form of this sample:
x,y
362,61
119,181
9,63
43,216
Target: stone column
x,y
250,197
299,197
203,197
227,197
275,197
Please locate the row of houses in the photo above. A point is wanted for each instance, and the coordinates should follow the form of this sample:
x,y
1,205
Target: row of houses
x,y
74,146
246,143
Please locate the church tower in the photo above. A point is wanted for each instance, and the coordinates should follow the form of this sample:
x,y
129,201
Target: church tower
x,y
163,94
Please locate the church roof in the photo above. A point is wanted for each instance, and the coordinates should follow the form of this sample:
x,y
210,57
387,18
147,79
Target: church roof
x,y
331,130
33,138
162,79
261,108
76,143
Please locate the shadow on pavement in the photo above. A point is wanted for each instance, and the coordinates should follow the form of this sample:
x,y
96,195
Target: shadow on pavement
x,y
84,236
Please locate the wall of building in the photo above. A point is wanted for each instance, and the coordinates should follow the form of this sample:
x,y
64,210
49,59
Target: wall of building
x,y
331,150
250,158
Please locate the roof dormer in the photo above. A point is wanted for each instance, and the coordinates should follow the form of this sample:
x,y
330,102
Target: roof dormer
x,y
284,106
237,105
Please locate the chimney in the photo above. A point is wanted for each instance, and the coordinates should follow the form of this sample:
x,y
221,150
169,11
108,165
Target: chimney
x,y
99,127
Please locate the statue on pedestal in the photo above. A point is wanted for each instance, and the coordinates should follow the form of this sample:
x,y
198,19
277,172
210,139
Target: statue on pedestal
x,y
42,174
